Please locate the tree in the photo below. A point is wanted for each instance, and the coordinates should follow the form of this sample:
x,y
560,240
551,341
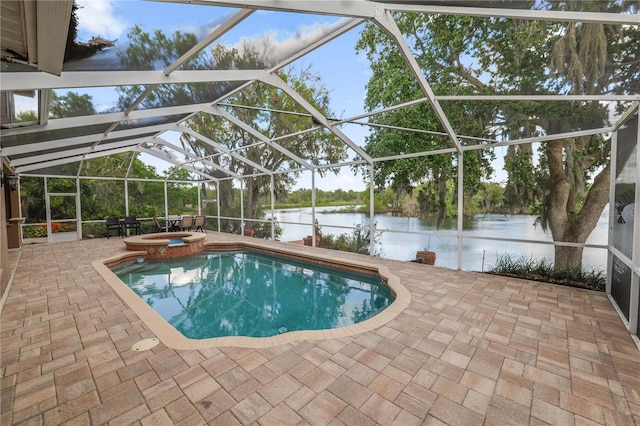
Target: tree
x,y
568,187
100,198
75,49
70,105
26,116
148,51
392,82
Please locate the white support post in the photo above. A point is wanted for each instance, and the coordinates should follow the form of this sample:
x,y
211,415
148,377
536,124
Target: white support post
x,y
78,210
166,201
218,203
242,207
634,296
199,199
47,206
273,221
126,196
460,206
372,212
126,185
313,207
613,161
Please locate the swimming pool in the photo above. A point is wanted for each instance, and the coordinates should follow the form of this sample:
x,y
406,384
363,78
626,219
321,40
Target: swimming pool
x,y
241,292
156,326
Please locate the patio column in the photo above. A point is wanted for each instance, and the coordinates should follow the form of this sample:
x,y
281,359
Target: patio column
x,y
273,231
166,201
126,197
313,207
199,199
78,210
241,206
372,212
218,202
460,206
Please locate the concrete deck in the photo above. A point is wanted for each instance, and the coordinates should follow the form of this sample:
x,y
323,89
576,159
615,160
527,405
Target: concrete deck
x,y
469,349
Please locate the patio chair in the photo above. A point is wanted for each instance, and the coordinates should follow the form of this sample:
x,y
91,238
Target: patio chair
x,y
199,223
113,224
161,227
187,223
131,222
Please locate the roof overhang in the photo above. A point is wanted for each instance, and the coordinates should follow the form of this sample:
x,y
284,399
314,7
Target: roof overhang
x,y
35,32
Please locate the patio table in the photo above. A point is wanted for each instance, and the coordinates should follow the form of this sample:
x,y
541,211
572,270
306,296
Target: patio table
x,y
174,222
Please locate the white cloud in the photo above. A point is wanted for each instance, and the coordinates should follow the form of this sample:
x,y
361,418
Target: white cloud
x,y
97,18
283,44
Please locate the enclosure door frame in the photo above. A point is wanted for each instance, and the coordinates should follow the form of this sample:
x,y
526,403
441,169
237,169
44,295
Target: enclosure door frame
x,y
57,237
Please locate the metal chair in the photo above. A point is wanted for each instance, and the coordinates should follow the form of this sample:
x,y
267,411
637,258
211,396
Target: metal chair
x,y
131,222
199,223
161,228
187,223
113,224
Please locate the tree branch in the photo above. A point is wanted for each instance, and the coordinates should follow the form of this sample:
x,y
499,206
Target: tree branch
x,y
597,199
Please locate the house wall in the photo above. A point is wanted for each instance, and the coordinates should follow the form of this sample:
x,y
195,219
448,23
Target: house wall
x,y
10,232
5,271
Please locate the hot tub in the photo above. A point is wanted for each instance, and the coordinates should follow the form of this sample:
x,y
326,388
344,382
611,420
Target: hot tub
x,y
167,244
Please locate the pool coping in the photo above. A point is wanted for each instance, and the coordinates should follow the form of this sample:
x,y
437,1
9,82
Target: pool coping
x,y
173,339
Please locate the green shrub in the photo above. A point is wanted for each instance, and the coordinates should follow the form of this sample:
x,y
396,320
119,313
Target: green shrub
x,y
356,242
543,270
94,230
34,231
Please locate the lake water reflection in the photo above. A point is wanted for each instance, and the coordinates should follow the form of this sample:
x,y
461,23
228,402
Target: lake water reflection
x,y
478,254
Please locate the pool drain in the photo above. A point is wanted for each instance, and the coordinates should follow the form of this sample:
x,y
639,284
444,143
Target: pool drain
x,y
145,345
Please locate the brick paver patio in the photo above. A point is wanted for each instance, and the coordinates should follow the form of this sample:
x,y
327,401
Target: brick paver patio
x,y
470,349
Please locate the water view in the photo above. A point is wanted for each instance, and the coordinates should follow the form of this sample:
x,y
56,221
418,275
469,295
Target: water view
x,y
478,254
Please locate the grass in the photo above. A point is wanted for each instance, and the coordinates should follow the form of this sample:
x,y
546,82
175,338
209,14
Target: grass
x,y
543,270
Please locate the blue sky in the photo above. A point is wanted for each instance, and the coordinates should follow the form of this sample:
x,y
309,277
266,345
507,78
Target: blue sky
x,y
343,73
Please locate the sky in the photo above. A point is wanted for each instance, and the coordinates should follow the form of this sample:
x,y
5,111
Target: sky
x,y
343,72
112,20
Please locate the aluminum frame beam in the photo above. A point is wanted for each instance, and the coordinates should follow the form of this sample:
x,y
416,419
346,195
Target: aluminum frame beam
x,y
537,15
261,137
220,147
89,120
214,35
276,81
365,9
162,156
386,22
67,160
204,160
77,79
18,162
354,8
79,140
357,10
81,121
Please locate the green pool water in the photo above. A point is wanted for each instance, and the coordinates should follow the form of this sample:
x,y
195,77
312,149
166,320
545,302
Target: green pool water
x,y
245,293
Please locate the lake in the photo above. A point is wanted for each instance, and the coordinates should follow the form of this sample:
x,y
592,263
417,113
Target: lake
x,y
477,254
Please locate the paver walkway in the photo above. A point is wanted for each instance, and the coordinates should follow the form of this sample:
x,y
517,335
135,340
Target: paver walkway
x,y
470,349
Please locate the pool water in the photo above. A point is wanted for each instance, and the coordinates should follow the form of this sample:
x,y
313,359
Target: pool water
x,y
218,293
